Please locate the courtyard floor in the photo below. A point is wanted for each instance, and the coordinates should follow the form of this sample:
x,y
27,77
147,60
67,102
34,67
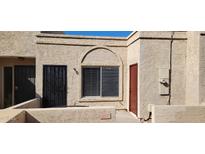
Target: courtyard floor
x,y
126,117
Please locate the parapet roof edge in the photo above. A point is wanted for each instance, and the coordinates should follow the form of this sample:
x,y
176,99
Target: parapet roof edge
x,y
63,36
133,33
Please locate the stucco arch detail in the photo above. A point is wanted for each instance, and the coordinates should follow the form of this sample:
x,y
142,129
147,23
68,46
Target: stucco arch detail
x,y
100,56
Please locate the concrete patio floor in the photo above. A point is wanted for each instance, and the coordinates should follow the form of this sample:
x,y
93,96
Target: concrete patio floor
x,y
126,117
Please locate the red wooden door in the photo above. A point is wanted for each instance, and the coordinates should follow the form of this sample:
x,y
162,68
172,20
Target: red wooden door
x,y
133,88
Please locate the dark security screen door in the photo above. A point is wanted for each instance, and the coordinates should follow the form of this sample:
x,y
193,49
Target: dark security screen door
x,y
54,86
24,80
8,86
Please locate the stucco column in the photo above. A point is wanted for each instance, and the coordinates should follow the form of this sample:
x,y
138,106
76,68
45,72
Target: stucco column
x,y
192,68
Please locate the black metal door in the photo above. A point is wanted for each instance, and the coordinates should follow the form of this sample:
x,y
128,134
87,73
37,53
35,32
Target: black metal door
x,y
8,86
54,86
24,79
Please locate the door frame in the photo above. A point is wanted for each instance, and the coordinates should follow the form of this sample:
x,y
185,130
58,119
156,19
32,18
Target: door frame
x,y
136,64
13,91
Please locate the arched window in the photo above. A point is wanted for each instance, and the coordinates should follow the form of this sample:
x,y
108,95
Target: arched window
x,y
101,71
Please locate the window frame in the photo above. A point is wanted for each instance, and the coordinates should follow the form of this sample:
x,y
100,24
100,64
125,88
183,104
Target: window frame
x,y
101,97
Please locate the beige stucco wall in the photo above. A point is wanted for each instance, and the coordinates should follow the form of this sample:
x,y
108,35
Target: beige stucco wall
x,y
15,44
151,50
59,115
76,114
202,70
178,114
178,78
33,103
64,53
155,55
192,68
64,50
18,43
195,68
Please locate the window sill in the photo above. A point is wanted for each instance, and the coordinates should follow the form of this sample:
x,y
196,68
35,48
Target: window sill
x,y
99,99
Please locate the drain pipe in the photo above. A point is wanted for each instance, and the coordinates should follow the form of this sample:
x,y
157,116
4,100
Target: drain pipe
x,y
149,118
170,69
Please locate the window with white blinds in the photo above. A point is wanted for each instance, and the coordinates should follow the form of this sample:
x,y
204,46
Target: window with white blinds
x,y
101,81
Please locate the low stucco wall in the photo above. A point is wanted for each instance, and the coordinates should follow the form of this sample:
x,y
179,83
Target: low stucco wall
x,y
33,103
58,115
74,114
177,114
12,116
19,118
16,116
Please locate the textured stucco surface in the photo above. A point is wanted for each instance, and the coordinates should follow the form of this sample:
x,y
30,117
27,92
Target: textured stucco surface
x,y
76,114
202,70
178,113
192,68
72,57
59,115
178,77
153,56
155,48
65,50
151,50
34,103
18,43
7,115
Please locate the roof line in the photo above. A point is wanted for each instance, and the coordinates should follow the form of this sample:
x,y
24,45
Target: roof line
x,y
133,33
80,37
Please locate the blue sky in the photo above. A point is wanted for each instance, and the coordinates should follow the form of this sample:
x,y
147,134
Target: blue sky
x,y
100,33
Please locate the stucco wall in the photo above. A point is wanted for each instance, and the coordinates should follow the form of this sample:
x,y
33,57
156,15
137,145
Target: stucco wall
x,y
192,68
64,50
33,103
178,78
202,70
151,50
178,114
15,44
154,55
18,43
71,55
76,114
